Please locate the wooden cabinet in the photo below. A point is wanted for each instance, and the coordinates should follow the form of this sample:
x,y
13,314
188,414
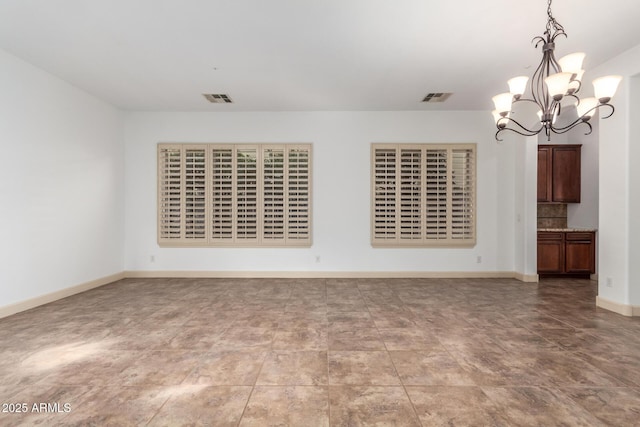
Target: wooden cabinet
x,y
550,252
559,173
580,253
566,252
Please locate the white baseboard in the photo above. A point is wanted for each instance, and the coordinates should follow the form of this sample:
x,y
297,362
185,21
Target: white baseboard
x,y
616,307
528,278
325,274
8,310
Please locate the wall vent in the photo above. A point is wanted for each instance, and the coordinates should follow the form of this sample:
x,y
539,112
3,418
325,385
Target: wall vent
x,y
218,98
437,97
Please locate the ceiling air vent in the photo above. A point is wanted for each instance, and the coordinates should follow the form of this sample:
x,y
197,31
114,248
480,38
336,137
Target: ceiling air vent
x,y
218,98
437,97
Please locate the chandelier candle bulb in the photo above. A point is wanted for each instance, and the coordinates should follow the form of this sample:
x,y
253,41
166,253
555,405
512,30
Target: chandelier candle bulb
x,y
576,82
558,84
503,103
572,63
605,87
497,117
517,85
586,108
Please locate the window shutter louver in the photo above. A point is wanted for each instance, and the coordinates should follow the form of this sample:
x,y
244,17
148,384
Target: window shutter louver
x,y
195,193
462,209
222,194
384,216
247,194
423,194
437,189
411,194
234,195
170,194
273,205
298,195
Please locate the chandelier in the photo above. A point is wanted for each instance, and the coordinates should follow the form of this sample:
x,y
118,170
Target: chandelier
x,y
553,81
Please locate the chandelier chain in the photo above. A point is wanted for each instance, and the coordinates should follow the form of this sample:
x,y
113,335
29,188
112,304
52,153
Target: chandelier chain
x,y
552,24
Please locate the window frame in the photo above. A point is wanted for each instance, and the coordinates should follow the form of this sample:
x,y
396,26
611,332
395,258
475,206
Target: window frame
x,y
290,197
387,209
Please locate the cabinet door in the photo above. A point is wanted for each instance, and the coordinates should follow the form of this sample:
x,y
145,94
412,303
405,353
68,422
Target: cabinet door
x,y
566,174
580,253
544,174
550,252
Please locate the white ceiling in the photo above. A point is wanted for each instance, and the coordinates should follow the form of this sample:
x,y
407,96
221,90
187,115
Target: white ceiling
x,y
304,54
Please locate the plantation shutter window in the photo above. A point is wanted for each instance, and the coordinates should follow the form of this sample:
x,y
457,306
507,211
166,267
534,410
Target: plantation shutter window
x,y
234,195
423,195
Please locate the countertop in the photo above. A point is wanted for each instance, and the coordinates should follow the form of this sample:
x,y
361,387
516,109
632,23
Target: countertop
x,y
586,230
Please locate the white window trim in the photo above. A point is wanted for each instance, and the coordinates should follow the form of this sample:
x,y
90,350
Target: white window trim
x,y
291,235
391,234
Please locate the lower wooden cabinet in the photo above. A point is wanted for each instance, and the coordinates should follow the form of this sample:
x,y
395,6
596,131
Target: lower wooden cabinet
x,y
566,252
550,252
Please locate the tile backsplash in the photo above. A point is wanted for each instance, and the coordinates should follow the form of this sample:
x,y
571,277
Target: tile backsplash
x,y
552,215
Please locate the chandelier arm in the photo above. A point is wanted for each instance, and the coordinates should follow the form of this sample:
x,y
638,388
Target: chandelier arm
x,y
531,133
573,95
576,90
566,129
605,105
536,80
526,131
538,40
563,129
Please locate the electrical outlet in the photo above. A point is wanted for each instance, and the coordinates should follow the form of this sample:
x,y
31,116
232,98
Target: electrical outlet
x,y
609,282
479,259
317,258
152,258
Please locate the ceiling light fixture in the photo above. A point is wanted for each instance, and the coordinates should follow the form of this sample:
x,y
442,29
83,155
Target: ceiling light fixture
x,y
552,81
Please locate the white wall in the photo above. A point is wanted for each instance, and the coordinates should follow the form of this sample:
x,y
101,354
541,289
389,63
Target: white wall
x,y
634,191
341,195
516,185
61,184
619,186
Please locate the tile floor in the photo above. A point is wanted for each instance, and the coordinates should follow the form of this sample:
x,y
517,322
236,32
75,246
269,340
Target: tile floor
x,y
404,352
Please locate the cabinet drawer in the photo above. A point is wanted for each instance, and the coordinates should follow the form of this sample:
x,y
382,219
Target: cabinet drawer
x,y
582,236
550,235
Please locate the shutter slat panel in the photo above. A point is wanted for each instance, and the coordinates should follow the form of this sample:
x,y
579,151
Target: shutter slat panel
x,y
273,196
195,193
463,173
170,194
436,195
222,194
384,216
298,196
411,194
246,194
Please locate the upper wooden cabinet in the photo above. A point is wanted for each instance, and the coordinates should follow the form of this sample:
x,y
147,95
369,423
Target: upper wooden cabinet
x,y
559,173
